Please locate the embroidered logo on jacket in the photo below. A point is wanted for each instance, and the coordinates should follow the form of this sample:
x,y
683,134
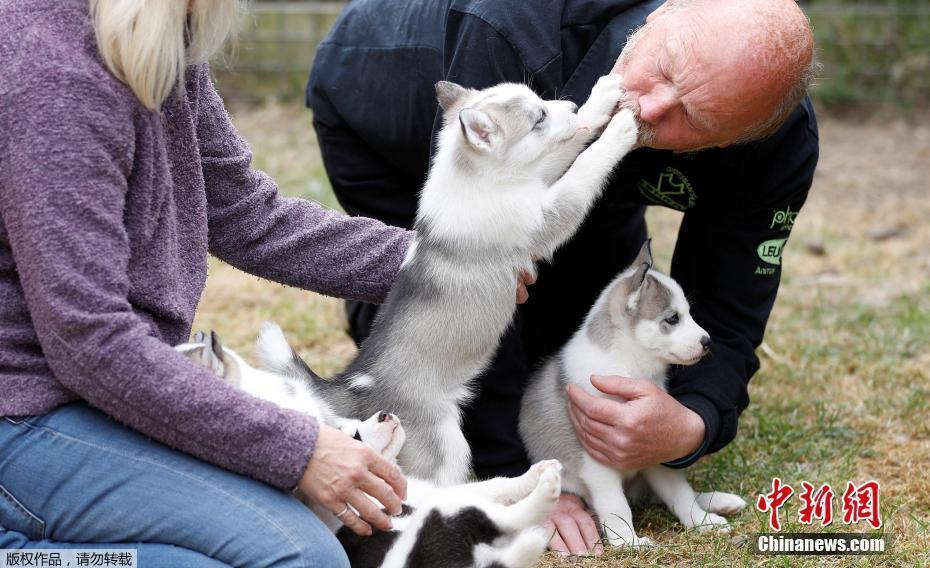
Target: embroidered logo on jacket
x,y
672,189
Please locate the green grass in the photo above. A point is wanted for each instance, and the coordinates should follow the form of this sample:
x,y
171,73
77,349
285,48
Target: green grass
x,y
843,393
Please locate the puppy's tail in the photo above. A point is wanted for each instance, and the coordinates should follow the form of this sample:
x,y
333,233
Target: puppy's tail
x,y
277,355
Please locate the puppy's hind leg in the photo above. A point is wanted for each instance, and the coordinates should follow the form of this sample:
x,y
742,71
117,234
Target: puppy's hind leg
x,y
673,489
522,552
509,490
530,511
720,502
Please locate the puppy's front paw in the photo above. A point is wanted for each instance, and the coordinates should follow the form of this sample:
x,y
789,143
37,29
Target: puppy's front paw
x,y
621,132
603,102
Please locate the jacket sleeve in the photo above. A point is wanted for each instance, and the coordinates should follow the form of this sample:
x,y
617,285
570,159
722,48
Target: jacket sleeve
x,y
288,240
66,154
728,261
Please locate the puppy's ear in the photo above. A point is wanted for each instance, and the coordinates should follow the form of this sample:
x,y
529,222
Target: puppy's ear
x,y
479,129
644,258
216,346
449,94
200,337
624,299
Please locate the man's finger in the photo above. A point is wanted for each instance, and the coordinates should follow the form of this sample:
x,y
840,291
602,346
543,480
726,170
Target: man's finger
x,y
582,420
623,387
390,473
594,407
571,534
369,511
588,531
595,429
556,544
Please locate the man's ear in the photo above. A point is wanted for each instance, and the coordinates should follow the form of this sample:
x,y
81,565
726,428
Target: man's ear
x,y
479,129
449,93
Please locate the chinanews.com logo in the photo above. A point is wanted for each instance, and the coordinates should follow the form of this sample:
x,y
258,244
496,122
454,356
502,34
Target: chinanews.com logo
x,y
859,504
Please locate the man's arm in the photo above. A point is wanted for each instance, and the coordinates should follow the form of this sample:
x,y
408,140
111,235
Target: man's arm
x,y
728,260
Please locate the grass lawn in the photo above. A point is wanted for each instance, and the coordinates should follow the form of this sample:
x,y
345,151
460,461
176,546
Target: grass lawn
x,y
844,389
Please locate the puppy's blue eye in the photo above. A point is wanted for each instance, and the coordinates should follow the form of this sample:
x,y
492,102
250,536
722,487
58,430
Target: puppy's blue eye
x,y
672,319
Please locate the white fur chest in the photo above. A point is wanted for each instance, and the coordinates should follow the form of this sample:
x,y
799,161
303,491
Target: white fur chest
x,y
582,358
481,211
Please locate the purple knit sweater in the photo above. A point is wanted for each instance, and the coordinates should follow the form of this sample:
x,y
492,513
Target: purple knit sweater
x,y
107,212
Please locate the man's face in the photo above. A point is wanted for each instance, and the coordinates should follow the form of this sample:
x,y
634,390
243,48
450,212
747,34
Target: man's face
x,y
688,85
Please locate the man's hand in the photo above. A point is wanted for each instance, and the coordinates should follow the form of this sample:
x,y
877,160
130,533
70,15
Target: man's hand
x,y
527,278
572,527
645,428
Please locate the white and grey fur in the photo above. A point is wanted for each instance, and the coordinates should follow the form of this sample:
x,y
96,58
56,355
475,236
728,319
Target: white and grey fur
x,y
489,524
505,188
640,324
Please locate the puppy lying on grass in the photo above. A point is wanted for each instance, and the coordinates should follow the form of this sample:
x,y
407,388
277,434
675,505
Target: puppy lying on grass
x,y
492,523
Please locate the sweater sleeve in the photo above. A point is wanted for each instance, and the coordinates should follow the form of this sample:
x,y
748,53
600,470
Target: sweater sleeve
x,y
66,155
288,240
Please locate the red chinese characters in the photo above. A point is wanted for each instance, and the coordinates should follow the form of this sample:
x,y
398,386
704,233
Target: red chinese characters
x,y
862,504
773,501
816,504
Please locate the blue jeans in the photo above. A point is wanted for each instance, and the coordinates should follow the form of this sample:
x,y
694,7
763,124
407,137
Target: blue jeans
x,y
73,478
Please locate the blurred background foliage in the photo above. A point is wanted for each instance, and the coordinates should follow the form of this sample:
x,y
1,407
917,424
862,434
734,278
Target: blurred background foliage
x,y
872,51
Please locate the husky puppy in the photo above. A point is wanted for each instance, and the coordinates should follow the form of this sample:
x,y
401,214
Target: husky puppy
x,y
505,188
640,324
493,523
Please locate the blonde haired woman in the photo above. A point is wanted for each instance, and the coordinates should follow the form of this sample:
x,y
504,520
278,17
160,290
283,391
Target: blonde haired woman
x,y
119,170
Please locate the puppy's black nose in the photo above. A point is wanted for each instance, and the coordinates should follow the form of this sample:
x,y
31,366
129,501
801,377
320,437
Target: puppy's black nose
x,y
382,416
705,342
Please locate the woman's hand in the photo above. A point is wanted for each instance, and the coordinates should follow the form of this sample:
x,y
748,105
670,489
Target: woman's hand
x,y
341,475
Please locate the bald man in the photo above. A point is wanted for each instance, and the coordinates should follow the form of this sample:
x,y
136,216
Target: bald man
x,y
728,138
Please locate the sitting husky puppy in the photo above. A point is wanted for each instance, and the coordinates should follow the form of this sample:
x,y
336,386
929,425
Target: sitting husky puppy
x,y
498,196
640,324
493,523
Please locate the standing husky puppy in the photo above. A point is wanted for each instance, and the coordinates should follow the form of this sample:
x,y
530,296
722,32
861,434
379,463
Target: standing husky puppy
x,y
640,324
497,197
492,523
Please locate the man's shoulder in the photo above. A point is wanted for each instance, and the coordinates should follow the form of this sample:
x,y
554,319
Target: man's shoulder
x,y
536,30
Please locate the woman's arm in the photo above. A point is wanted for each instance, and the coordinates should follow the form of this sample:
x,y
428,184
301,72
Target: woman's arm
x,y
66,153
289,240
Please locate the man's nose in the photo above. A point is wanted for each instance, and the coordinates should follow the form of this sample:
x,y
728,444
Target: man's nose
x,y
656,104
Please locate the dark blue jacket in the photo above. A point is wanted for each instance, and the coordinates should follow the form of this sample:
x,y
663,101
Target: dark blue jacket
x,y
371,91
